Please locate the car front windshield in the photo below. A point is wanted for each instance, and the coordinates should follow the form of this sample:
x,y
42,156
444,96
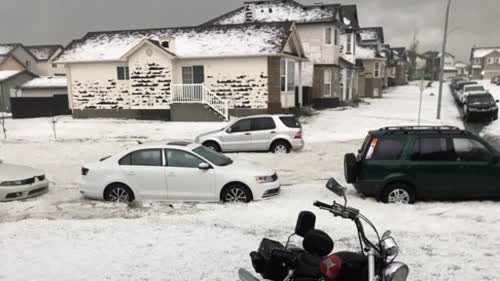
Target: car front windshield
x,y
481,99
214,157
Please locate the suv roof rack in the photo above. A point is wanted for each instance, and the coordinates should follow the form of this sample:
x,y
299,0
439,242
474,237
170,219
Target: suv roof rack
x,y
421,128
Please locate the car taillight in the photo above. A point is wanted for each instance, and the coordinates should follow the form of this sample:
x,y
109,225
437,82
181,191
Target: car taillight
x,y
85,171
330,267
298,135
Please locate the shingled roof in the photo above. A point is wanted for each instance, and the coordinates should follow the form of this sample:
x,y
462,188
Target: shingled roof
x,y
6,50
481,52
277,11
372,34
43,52
252,39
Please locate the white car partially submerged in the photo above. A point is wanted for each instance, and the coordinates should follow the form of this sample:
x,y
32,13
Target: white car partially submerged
x,y
21,182
177,172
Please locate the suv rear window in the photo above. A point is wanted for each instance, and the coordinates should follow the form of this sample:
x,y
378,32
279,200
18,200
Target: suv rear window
x,y
432,149
290,122
385,149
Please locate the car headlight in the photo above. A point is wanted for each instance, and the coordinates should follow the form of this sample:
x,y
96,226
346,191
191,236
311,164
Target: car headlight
x,y
266,179
396,271
11,183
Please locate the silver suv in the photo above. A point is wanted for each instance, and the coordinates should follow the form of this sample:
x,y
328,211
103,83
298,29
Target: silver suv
x,y
275,133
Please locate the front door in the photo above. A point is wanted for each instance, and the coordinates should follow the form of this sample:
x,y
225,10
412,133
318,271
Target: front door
x,y
186,182
239,137
145,173
263,131
478,176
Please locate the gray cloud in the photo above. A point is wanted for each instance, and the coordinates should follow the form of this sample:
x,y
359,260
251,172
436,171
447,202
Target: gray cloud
x,y
59,21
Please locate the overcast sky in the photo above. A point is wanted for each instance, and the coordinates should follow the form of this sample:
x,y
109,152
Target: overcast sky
x,y
60,21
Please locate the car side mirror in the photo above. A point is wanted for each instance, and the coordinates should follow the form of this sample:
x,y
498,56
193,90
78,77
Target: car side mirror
x,y
204,166
229,130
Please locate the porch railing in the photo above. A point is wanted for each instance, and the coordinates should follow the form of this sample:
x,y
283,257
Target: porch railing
x,y
199,93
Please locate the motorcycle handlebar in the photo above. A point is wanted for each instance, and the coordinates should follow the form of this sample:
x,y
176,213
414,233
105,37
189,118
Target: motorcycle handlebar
x,y
339,210
322,205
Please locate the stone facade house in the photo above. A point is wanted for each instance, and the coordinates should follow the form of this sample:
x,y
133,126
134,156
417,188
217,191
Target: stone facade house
x,y
485,62
371,55
184,74
325,31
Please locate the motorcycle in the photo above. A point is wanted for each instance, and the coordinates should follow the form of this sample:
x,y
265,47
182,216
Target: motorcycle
x,y
313,262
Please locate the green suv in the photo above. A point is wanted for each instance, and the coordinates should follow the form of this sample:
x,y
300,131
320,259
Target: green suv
x,y
405,164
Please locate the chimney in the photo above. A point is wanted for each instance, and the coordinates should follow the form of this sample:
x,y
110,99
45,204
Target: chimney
x,y
168,43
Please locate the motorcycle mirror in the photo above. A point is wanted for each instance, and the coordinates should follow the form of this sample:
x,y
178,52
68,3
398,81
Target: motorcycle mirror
x,y
386,234
305,223
335,187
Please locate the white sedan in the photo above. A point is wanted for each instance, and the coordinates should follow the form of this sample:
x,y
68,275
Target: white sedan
x,y
20,182
177,172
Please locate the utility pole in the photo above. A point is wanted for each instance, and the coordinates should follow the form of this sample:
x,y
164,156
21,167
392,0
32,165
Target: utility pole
x,y
443,56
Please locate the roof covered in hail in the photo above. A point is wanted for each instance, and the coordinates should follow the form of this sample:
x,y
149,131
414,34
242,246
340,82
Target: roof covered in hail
x,y
277,11
6,74
46,82
367,52
6,49
483,52
43,52
372,34
190,42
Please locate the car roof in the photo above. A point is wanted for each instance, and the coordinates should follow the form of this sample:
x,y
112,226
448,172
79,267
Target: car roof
x,y
480,93
171,145
472,85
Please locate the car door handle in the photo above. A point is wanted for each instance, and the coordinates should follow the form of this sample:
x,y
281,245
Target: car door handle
x,y
131,173
171,174
248,134
273,132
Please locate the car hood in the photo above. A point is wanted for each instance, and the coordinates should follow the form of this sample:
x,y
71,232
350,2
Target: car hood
x,y
250,168
10,172
209,133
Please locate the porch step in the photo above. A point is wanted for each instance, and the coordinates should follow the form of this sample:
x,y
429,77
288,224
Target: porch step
x,y
185,112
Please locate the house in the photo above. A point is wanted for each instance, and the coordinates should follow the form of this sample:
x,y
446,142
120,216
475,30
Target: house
x,y
187,73
433,65
400,57
41,97
10,81
462,69
320,28
370,54
485,62
44,54
390,66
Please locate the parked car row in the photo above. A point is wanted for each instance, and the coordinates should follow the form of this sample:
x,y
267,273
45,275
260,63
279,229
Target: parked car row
x,y
476,101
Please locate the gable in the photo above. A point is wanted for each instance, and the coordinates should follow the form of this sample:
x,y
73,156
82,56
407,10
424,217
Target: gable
x,y
495,53
11,63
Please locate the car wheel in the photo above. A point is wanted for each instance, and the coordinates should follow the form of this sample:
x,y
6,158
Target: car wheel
x,y
118,193
212,145
236,193
398,193
281,147
350,168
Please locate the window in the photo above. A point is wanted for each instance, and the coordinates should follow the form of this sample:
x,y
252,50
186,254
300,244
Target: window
x,y
193,74
491,60
348,83
376,72
349,44
469,150
182,159
122,73
261,124
432,149
54,65
290,122
244,125
287,75
328,36
216,158
336,37
165,44
28,63
385,149
477,61
147,157
497,60
327,91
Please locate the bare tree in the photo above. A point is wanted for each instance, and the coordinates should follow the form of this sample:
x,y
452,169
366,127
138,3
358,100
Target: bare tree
x,y
412,55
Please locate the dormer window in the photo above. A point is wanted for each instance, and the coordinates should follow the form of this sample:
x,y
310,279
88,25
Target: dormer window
x,y
270,10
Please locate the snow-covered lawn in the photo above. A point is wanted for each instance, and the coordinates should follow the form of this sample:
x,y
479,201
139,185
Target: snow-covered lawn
x,y
60,236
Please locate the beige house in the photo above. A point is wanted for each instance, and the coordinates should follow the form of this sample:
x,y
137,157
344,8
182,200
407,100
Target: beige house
x,y
325,31
35,59
196,73
485,62
44,54
370,53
